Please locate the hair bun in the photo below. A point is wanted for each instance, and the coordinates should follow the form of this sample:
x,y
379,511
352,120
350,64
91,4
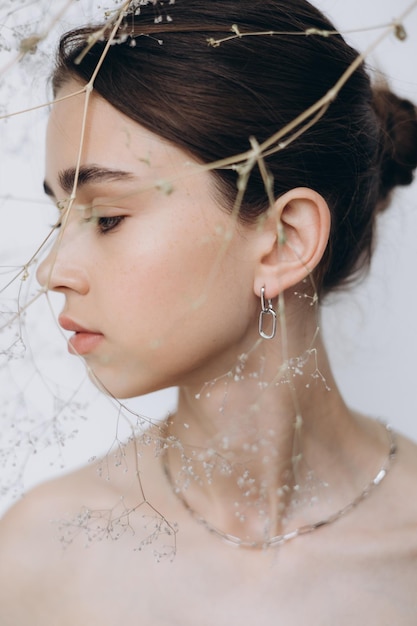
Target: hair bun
x,y
398,143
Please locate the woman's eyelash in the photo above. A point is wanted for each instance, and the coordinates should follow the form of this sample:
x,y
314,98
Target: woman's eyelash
x,y
104,224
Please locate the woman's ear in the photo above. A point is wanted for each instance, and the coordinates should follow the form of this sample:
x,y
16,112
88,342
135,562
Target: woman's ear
x,y
293,236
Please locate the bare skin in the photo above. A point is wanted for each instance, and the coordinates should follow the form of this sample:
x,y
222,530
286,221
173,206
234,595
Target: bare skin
x,y
360,570
271,426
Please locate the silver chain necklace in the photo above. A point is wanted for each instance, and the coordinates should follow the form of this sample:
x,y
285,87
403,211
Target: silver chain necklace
x,y
301,530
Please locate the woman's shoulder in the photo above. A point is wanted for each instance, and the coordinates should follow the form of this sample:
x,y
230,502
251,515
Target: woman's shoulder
x,y
405,465
29,529
74,507
398,501
34,535
44,509
54,495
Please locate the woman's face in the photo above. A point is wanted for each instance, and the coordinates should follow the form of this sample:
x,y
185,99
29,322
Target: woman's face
x,y
159,276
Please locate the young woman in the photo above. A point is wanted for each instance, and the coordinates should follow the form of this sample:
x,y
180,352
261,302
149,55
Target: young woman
x,y
207,204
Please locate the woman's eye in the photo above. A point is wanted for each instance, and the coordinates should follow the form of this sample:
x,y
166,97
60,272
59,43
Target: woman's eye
x,y
105,224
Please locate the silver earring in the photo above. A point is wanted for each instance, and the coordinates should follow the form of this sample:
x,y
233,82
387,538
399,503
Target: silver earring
x,y
267,311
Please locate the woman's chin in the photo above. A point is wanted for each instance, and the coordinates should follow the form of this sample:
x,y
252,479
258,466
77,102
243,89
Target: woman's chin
x,y
116,386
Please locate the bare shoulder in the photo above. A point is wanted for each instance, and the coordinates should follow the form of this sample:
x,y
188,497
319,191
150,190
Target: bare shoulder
x,y
34,561
58,547
400,496
38,520
394,500
405,467
102,500
54,497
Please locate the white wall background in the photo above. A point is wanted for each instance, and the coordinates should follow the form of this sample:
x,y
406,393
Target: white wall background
x,y
370,331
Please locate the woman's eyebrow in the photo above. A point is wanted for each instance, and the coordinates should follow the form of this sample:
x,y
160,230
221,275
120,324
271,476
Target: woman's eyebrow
x,y
87,174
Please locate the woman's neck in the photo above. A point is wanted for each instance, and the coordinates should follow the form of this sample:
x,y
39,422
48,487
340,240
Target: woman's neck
x,y
250,450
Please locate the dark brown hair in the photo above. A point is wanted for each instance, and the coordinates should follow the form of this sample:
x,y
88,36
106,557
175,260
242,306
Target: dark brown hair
x,y
209,100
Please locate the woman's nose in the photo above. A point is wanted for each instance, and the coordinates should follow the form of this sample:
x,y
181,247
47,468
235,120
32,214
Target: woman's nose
x,y
62,269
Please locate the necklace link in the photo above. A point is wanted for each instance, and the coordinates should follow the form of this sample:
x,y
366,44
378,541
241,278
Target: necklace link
x,y
301,530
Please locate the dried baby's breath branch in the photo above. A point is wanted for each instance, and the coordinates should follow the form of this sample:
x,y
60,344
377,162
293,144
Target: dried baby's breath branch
x,y
21,310
32,259
319,106
29,45
43,105
99,34
88,89
238,34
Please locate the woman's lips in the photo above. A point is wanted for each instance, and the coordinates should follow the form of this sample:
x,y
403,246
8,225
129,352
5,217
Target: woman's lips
x,y
83,340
